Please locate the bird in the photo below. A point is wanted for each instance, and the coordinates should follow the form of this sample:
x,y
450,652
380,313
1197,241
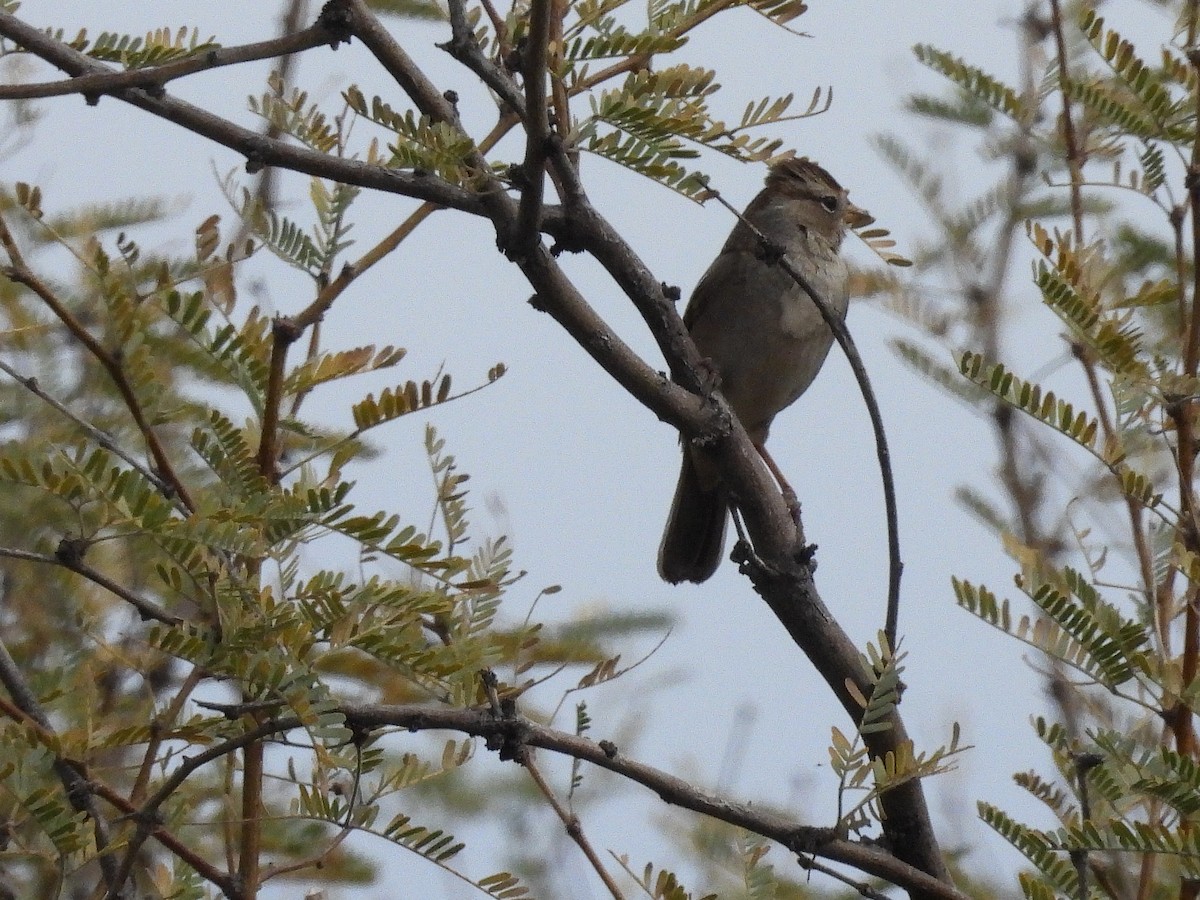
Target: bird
x,y
763,339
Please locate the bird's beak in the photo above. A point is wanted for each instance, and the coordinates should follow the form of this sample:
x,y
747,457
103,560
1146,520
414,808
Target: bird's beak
x,y
857,217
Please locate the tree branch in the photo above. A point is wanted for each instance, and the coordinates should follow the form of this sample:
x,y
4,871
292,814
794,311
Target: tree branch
x,y
364,25
74,782
223,881
464,48
72,560
259,150
801,839
537,130
152,78
146,815
20,273
572,826
284,333
102,439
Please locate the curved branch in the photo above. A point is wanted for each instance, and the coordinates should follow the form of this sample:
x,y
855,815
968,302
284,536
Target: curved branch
x,y
846,341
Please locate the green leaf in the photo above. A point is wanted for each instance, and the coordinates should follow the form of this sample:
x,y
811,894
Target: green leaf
x,y
977,83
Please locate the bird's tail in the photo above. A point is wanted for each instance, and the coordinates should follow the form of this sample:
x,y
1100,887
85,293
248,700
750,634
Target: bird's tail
x,y
694,538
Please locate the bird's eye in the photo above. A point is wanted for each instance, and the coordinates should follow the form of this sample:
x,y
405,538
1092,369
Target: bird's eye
x,y
830,203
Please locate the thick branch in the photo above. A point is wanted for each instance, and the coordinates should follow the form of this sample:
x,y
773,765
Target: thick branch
x,y
537,130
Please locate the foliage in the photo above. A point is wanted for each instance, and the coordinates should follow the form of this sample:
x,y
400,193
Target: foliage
x,y
229,601
1098,139
236,615
849,759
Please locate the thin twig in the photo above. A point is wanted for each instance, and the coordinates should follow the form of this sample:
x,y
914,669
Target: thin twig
x,y
1133,509
96,84
302,461
571,824
147,817
187,853
1074,151
861,888
101,438
264,190
72,562
349,825
559,98
983,292
313,313
160,724
639,61
20,273
499,26
465,48
439,107
315,861
1076,157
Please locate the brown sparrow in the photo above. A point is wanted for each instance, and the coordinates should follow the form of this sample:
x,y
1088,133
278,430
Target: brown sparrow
x,y
764,338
